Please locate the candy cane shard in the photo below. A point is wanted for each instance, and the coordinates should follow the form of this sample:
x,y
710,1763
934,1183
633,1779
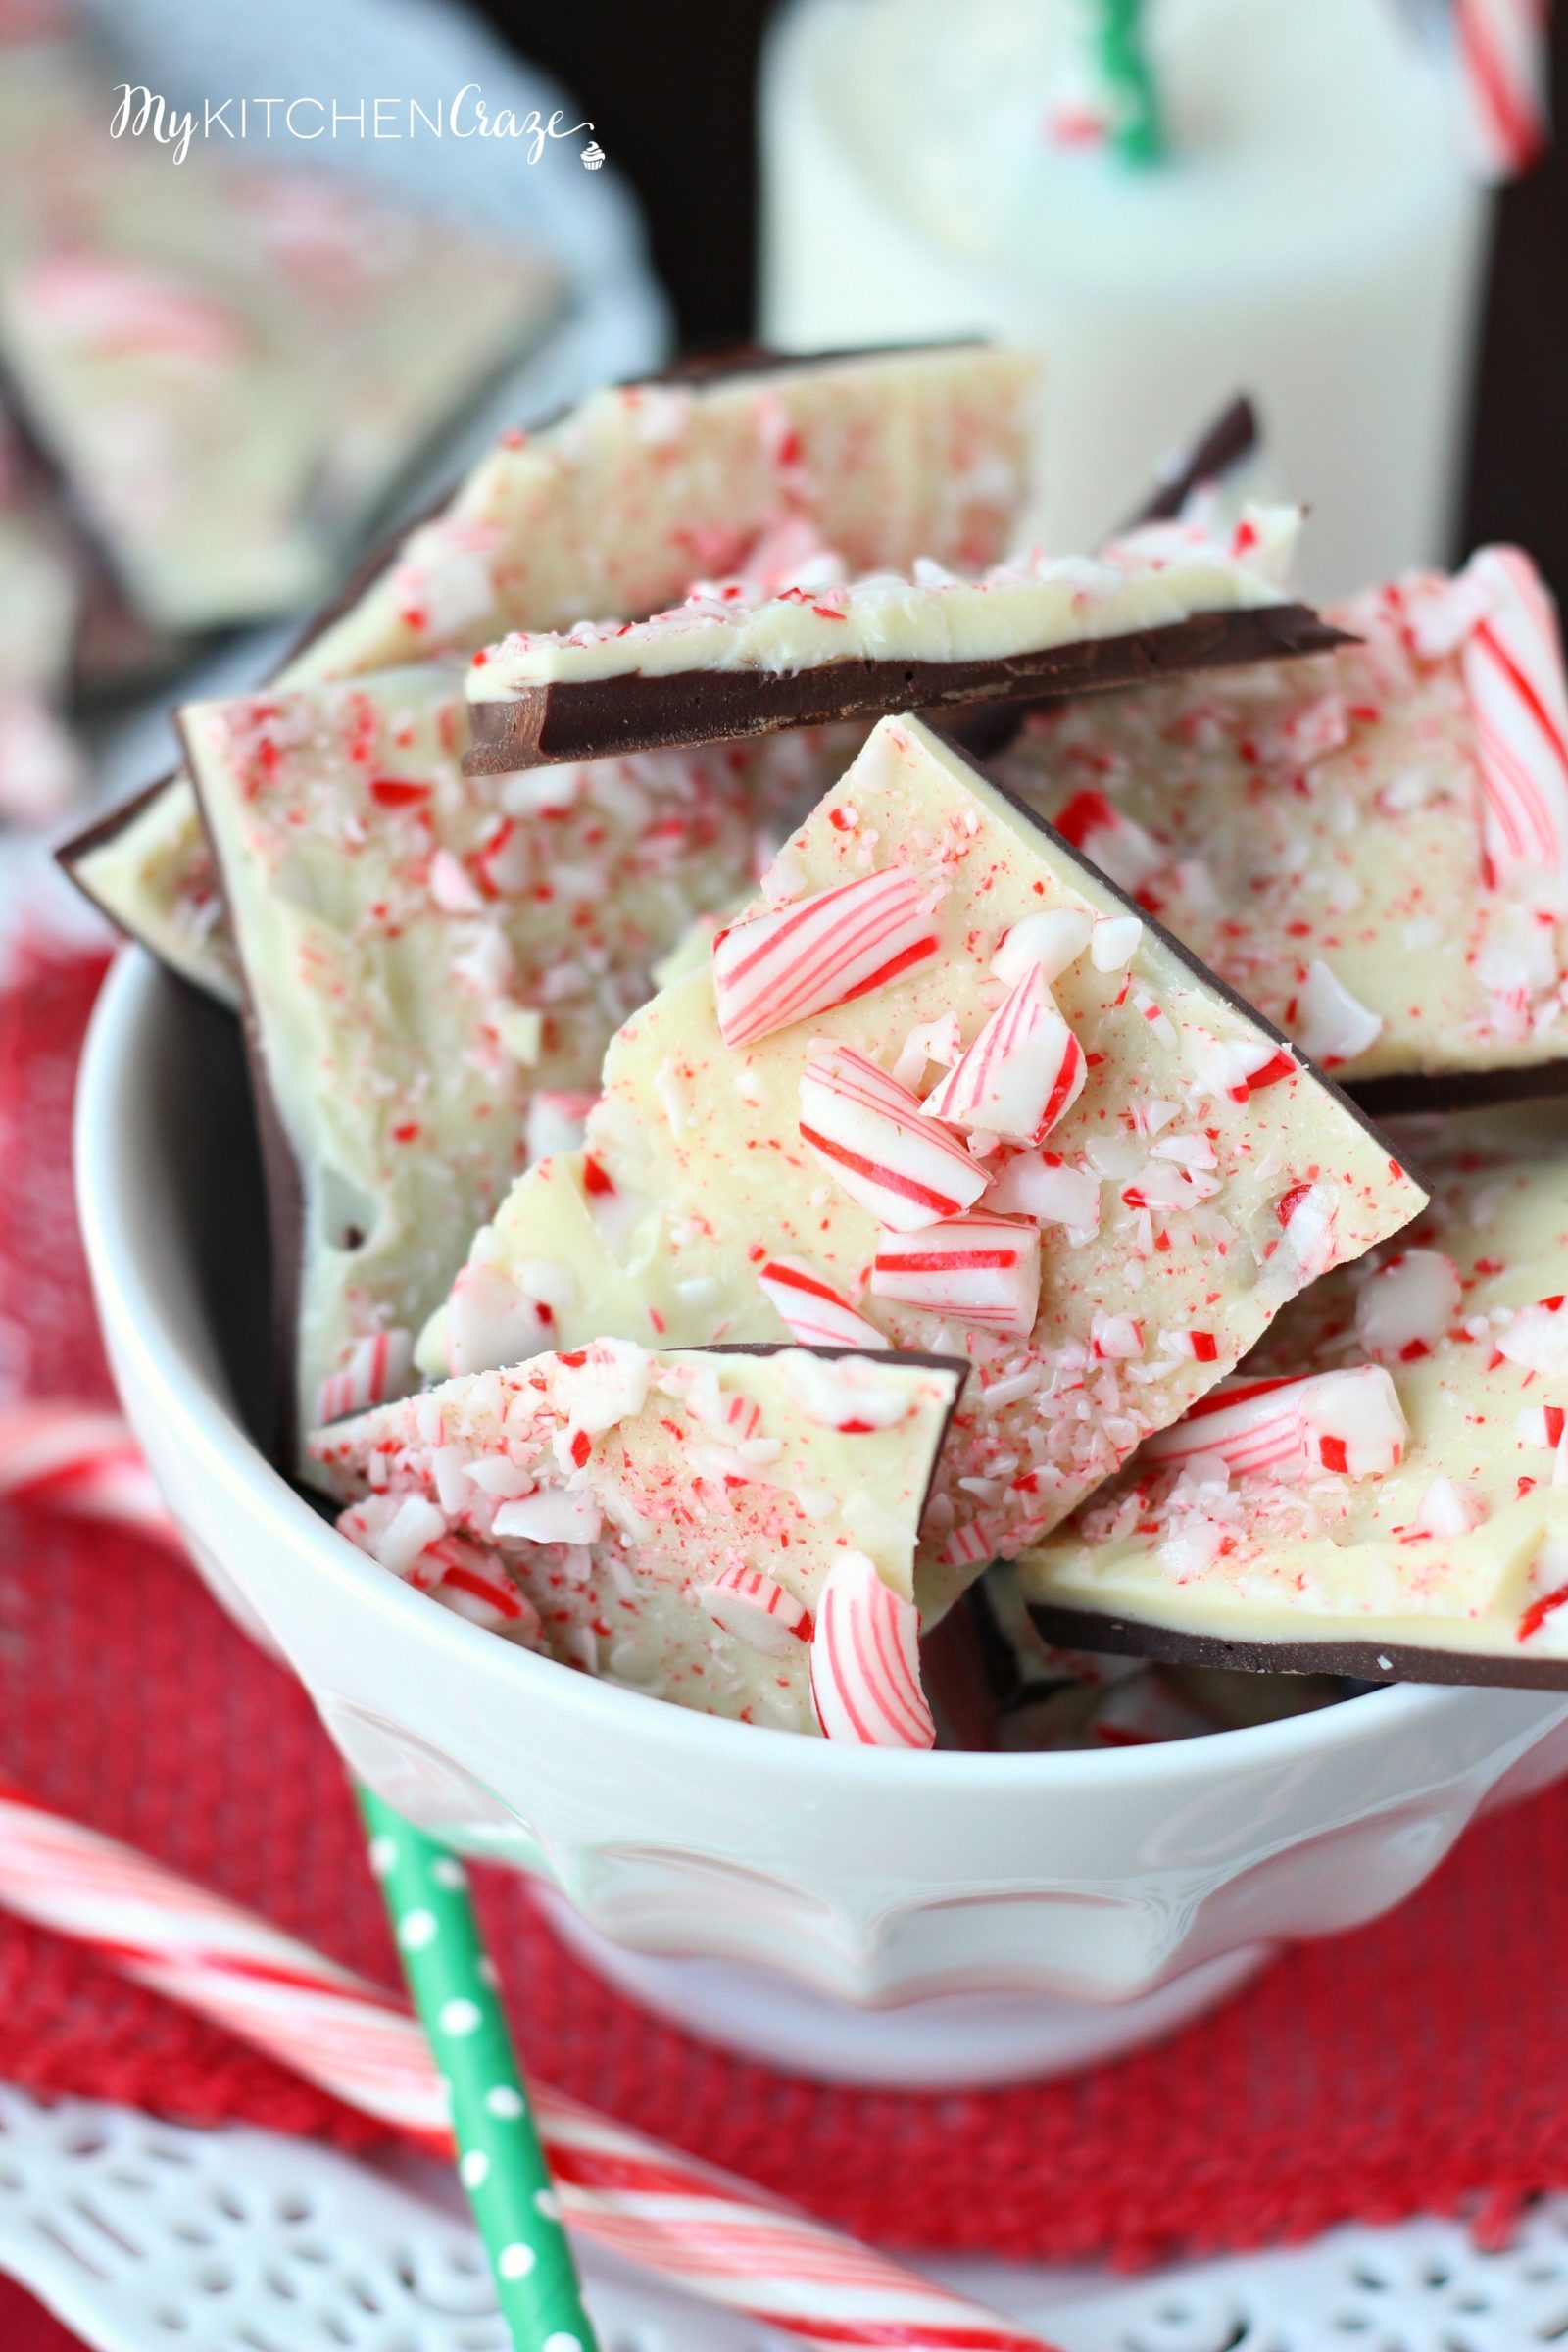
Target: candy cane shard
x,y
1023,1072
865,1661
372,1369
698,476
664,1518
876,1141
1404,1518
1504,69
1513,675
700,2230
979,1270
827,950
1157,1203
811,1310
1348,1421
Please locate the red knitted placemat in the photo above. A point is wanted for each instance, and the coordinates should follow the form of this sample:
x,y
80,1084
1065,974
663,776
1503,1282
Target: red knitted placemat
x,y
1409,2066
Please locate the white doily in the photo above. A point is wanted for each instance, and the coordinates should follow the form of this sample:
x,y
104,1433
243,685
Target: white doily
x,y
146,2237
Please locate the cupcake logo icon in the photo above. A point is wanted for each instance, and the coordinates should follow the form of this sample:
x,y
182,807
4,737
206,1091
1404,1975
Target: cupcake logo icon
x,y
593,155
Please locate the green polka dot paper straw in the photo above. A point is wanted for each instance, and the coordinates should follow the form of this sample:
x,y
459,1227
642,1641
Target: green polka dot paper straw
x,y
500,2160
1137,131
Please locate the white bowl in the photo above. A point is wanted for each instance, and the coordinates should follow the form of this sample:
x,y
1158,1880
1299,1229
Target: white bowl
x,y
1043,1909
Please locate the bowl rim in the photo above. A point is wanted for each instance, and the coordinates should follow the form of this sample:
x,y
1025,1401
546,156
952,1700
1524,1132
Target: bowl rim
x,y
123,1027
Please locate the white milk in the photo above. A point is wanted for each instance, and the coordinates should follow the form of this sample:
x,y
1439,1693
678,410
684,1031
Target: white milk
x,y
1314,239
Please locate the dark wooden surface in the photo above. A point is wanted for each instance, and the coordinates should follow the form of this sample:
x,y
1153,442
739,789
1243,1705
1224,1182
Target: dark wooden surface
x,y
671,91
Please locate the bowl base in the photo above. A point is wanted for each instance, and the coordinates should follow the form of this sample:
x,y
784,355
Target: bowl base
x,y
948,2041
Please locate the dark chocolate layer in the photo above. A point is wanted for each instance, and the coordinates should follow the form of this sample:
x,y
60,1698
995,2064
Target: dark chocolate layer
x,y
1415,1091
1228,442
606,718
1367,1661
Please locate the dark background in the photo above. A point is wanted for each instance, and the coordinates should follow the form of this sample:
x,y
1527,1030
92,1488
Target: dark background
x,y
670,90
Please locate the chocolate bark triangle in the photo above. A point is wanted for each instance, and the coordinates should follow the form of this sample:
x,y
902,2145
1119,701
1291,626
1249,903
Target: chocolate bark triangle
x,y
1371,847
733,662
432,967
616,506
730,1528
1382,1493
1117,1179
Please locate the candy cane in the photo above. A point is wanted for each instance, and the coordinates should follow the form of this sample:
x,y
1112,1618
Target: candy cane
x,y
698,2228
983,1269
373,1369
1348,1421
1023,1072
71,1457
872,1135
802,958
1503,65
866,1660
1513,676
811,1310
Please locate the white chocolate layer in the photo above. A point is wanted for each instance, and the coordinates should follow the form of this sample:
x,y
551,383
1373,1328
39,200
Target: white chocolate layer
x,y
1154,578
425,951
677,1469
1314,831
695,1175
617,508
1463,1547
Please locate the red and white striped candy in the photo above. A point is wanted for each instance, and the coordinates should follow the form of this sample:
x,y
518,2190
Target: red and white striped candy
x,y
703,2230
1513,676
1250,1424
811,1310
1503,68
373,1369
1120,848
1536,1339
1023,1072
755,1610
1348,1421
1541,1425
76,1458
1353,1422
982,1269
873,1136
1451,1506
866,1660
800,959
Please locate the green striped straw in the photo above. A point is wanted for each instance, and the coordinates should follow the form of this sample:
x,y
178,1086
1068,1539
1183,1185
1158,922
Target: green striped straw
x,y
1137,131
501,2163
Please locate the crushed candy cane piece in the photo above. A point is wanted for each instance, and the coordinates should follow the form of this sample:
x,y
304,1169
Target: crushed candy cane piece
x,y
555,1515
1449,1508
811,1310
1541,1425
1119,847
1037,1184
865,1661
1353,1422
779,967
1332,1025
372,1369
752,1608
1048,943
1513,675
1022,1073
1115,942
1537,1338
983,1269
875,1138
555,1123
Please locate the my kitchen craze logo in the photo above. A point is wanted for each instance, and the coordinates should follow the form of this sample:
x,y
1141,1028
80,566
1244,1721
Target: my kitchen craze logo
x,y
142,113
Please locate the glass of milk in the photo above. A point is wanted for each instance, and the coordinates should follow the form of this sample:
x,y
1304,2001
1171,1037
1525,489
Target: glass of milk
x,y
1312,236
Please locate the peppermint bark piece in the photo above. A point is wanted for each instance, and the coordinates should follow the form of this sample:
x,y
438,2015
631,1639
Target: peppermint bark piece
x,y
1382,1492
617,507
729,663
733,1530
431,964
1372,847
1130,1174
